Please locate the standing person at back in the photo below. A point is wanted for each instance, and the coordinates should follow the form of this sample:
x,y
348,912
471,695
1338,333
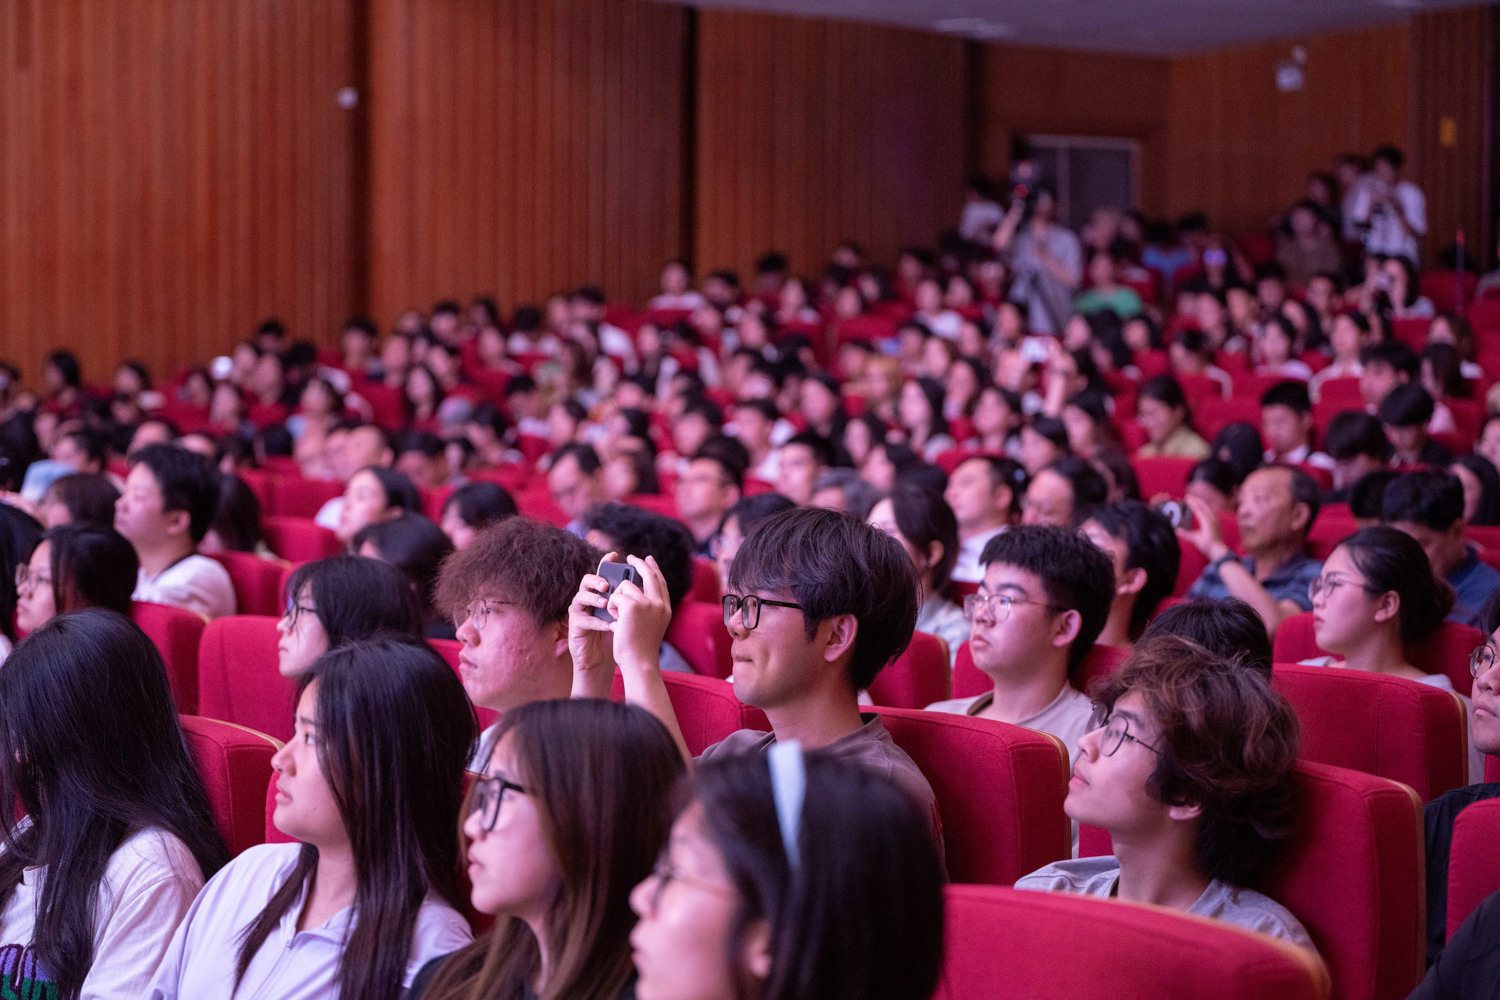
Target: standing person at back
x,y
169,502
1391,212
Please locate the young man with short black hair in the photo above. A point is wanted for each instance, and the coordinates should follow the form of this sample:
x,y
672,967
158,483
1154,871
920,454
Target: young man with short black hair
x,y
576,482
1383,367
1286,421
1406,411
985,494
1145,556
164,511
1358,446
803,459
1429,506
713,482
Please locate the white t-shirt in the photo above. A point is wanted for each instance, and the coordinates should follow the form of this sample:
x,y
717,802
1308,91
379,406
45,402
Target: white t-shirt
x,y
196,583
148,886
968,569
1386,234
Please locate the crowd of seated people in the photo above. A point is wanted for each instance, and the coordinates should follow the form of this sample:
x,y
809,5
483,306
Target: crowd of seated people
x,y
979,444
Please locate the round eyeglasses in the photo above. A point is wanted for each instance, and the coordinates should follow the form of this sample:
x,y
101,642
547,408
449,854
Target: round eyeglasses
x,y
748,608
1116,732
1482,659
996,607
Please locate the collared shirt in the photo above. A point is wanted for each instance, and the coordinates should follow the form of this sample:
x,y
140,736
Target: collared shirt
x,y
1288,582
291,964
968,568
1473,582
1301,455
196,583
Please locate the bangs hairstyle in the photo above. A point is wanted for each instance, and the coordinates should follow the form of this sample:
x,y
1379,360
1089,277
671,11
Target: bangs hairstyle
x,y
602,775
1228,743
834,564
91,748
355,597
862,917
91,567
395,730
481,504
1075,573
531,563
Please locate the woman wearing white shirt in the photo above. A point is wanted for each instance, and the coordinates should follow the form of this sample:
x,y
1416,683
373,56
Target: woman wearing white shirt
x,y
371,783
118,834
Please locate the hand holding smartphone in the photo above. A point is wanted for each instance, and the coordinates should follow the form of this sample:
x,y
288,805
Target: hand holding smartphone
x,y
616,573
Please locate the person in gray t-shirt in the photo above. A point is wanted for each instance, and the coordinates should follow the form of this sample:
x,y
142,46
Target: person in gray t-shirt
x,y
1191,772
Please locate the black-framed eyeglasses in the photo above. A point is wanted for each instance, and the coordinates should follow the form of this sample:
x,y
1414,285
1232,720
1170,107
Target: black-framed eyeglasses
x,y
997,606
1482,659
478,612
294,611
665,872
1328,584
488,794
748,608
1116,732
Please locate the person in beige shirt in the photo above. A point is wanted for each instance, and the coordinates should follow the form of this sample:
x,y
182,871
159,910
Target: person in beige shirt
x,y
1162,412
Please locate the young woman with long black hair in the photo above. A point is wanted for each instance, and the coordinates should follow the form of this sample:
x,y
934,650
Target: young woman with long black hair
x,y
118,836
371,783
571,814
333,602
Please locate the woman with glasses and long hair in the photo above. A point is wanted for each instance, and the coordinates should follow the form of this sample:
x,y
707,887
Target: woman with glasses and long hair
x,y
789,876
117,836
571,813
333,602
371,784
1190,768
75,566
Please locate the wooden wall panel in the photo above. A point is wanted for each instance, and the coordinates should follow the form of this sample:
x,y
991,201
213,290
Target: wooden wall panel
x,y
172,172
522,147
812,131
1240,150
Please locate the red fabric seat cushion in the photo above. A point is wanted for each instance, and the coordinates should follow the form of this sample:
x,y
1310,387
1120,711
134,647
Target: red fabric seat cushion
x,y
916,678
1473,862
235,765
176,633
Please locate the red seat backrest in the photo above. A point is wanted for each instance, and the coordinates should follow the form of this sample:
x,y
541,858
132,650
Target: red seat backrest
x,y
1412,332
1388,726
1352,873
238,677
294,496
299,539
916,678
659,503
176,633
1485,535
1162,475
257,582
705,589
1328,529
697,632
1213,415
1342,393
433,500
1025,945
235,765
1446,651
449,649
969,680
1473,862
706,709
999,791
535,501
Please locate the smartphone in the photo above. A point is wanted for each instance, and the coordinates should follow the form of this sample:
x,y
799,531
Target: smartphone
x,y
616,573
1179,514
1034,349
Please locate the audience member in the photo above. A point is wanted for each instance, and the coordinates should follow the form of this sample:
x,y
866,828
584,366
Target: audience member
x,y
1145,554
1214,484
1065,493
985,494
169,501
331,603
75,566
1229,628
1405,411
1385,365
924,525
1286,421
1390,212
1481,483
417,547
1367,498
1044,441
575,482
738,522
711,485
803,459
1429,506
632,531
236,523
1358,446
843,490
473,507
350,449
1162,412
81,498
375,493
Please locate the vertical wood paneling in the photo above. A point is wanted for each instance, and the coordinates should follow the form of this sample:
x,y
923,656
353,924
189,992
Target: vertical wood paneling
x,y
813,131
522,147
172,172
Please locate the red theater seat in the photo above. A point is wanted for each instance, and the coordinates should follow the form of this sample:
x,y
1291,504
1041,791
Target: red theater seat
x,y
705,589
1446,651
1388,726
969,680
1213,415
999,791
294,496
697,632
298,539
706,709
176,633
1050,946
1473,861
238,679
1162,475
1352,874
257,582
916,678
235,764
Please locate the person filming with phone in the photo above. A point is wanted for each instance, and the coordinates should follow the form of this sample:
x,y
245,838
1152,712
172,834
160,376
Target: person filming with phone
x,y
1046,258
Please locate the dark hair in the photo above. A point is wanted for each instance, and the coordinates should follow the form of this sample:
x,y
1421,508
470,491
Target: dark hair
x,y
1226,628
1447,368
1166,390
1392,560
731,456
602,775
932,390
1432,499
1303,488
635,531
750,511
532,563
1004,472
188,482
1367,495
1090,491
395,730
1488,511
66,363
861,917
1075,573
821,447
413,544
1054,430
1390,154
1114,464
91,566
400,492
1394,353
584,454
481,504
89,497
834,564
1228,743
1354,433
924,517
92,749
424,443
1151,545
94,444
765,407
1240,445
237,518
520,384
1291,394
1407,405
356,598
1217,473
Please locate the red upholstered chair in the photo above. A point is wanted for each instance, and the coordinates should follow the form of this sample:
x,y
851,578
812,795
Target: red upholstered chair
x,y
969,680
298,539
1190,565
660,503
1213,415
1052,946
705,589
697,632
1446,651
1485,535
1473,862
535,501
1326,533
235,764
706,708
916,678
1162,475
449,649
238,679
999,791
257,582
176,633
1388,726
1342,393
294,496
1352,874
433,500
